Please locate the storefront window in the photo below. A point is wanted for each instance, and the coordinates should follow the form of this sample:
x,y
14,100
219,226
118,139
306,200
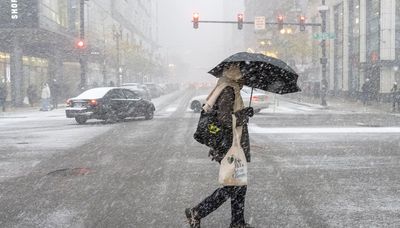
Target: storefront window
x,y
4,60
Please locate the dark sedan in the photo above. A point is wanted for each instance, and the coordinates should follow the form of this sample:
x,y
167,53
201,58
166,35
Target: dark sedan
x,y
108,103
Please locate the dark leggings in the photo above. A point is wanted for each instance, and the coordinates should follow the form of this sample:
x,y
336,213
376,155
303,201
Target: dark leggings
x,y
219,196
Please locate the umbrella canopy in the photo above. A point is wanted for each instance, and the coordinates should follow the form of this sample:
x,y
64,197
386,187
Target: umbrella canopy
x,y
262,72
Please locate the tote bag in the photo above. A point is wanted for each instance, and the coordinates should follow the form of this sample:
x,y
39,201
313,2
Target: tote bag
x,y
233,168
209,130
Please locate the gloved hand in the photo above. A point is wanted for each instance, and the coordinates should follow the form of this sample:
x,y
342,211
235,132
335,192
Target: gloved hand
x,y
249,111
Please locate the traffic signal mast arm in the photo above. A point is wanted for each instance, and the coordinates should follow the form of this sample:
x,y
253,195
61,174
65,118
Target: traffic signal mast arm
x,y
267,23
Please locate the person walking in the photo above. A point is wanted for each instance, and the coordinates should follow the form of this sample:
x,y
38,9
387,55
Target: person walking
x,y
45,96
55,92
366,89
32,94
228,102
395,97
3,96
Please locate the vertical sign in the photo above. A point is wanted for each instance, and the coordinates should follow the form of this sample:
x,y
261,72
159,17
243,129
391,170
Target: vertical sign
x,y
259,23
19,13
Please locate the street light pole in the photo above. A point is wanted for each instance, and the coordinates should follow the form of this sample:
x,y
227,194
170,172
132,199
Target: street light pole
x,y
324,82
117,34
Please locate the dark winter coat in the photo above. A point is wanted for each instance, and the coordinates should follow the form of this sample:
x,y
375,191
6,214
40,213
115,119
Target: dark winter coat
x,y
224,108
3,92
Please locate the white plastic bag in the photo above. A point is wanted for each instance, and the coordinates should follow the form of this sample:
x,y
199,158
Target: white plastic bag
x,y
233,168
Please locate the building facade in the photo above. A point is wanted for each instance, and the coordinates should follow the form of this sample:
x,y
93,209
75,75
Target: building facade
x,y
38,43
366,46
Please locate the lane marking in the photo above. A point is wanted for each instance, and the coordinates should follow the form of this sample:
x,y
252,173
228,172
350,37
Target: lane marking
x,y
171,109
253,128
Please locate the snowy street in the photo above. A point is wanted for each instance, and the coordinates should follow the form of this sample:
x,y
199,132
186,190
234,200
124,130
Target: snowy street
x,y
311,167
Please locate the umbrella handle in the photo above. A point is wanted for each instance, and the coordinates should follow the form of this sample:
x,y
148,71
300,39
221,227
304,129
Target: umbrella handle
x,y
251,96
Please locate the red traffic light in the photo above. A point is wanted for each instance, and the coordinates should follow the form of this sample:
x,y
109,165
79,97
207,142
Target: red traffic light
x,y
195,20
80,44
302,21
280,21
240,20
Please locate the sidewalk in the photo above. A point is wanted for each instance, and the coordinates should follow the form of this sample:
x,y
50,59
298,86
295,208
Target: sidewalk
x,y
12,111
341,104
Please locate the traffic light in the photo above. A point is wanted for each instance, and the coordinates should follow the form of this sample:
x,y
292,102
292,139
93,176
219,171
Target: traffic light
x,y
302,22
240,21
279,18
80,44
195,20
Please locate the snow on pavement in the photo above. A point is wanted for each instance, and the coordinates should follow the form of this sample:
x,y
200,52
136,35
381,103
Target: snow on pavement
x,y
29,137
253,128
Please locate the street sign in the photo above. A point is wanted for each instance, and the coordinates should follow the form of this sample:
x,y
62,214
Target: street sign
x,y
324,36
259,23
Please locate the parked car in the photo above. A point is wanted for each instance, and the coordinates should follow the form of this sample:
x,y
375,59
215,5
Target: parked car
x,y
260,100
154,89
108,103
138,88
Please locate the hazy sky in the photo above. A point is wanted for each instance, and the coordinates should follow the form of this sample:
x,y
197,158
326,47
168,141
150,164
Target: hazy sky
x,y
204,47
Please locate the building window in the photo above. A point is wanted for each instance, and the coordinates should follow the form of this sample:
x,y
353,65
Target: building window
x,y
373,28
56,11
354,46
397,29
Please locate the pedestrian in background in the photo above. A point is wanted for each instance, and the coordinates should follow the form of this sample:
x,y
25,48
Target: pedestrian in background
x,y
45,97
32,94
3,95
229,102
395,97
55,91
366,90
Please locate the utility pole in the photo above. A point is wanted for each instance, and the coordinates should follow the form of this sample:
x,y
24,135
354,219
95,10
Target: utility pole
x,y
82,56
117,35
324,82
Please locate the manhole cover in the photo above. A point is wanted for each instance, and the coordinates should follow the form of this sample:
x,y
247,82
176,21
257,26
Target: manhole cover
x,y
70,172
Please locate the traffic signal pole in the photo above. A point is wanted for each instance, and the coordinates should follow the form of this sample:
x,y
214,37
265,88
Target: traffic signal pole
x,y
267,23
324,60
82,57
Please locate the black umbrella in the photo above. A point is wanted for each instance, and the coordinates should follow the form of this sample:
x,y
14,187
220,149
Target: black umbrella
x,y
262,72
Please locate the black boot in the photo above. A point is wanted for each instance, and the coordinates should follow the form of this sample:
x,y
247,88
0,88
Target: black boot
x,y
241,226
193,221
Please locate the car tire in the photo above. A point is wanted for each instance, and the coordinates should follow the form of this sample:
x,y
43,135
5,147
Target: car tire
x,y
196,106
111,117
81,119
149,114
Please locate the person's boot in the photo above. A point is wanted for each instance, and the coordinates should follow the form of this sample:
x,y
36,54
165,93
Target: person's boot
x,y
192,220
246,225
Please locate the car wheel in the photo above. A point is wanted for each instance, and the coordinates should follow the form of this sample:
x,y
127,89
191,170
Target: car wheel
x,y
196,106
149,114
111,117
81,119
